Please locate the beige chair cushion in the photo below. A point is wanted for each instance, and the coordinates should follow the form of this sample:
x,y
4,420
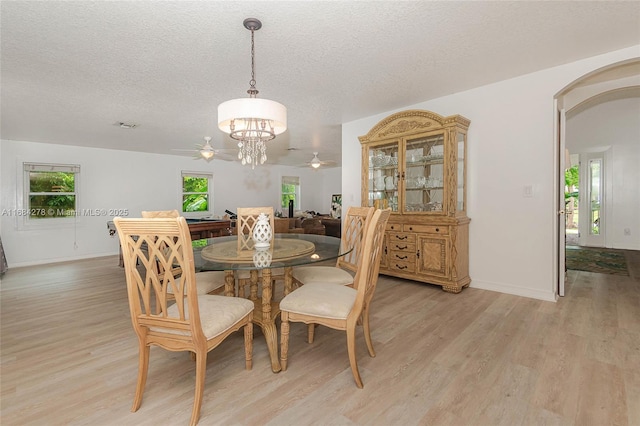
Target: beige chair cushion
x,y
209,280
206,282
217,314
324,274
321,300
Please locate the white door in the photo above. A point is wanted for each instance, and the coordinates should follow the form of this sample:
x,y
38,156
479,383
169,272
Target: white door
x,y
592,199
561,202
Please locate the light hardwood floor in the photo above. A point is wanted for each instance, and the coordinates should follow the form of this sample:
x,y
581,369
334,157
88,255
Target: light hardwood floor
x,y
69,357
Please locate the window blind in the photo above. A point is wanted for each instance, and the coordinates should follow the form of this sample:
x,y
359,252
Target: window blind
x,y
42,167
291,180
197,174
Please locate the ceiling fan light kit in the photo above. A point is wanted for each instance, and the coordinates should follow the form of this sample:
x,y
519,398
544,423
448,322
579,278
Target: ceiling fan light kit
x,y
315,163
252,121
207,151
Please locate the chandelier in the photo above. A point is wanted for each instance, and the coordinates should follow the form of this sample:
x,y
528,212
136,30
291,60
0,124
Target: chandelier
x,y
252,121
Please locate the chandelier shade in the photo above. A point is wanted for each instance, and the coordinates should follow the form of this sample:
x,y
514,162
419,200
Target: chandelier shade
x,y
241,114
252,121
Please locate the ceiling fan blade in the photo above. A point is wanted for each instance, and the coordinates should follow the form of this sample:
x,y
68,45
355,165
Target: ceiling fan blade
x,y
200,150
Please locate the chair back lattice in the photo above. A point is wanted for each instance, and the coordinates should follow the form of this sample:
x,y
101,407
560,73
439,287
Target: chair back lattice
x,y
355,226
247,219
153,250
366,277
160,214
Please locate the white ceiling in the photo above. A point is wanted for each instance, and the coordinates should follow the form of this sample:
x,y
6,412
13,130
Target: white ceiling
x,y
71,70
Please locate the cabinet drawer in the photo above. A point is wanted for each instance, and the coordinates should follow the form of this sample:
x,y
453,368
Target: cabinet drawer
x,y
402,237
394,226
402,266
402,256
402,246
427,229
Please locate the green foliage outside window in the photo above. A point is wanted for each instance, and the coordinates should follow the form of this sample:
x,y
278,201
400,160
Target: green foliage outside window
x,y
195,194
571,181
288,193
51,194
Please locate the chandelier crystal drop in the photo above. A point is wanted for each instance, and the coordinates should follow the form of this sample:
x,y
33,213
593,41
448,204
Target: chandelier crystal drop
x,y
252,121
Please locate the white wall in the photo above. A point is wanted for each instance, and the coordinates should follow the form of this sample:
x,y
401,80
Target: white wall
x,y
112,179
614,124
511,145
331,184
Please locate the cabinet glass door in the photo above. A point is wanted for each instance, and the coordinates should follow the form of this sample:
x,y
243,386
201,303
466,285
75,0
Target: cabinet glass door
x,y
462,178
383,176
424,174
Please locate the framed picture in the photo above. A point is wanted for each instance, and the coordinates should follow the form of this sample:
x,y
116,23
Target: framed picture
x,y
336,206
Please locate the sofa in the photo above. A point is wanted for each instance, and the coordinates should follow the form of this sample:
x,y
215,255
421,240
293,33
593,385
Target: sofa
x,y
284,225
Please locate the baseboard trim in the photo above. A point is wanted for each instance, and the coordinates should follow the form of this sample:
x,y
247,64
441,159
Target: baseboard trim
x,y
60,259
516,291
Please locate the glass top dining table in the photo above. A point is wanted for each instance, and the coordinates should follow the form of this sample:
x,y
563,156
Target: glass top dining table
x,y
285,251
221,254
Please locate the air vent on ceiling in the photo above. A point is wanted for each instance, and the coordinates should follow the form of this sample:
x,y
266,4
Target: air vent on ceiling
x,y
124,125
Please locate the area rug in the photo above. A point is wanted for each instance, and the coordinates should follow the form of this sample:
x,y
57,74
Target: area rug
x,y
602,261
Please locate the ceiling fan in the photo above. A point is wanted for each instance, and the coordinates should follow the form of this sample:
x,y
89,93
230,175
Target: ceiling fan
x,y
316,162
206,151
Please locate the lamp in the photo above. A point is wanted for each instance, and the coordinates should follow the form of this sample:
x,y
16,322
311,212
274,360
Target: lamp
x,y
315,163
207,151
252,121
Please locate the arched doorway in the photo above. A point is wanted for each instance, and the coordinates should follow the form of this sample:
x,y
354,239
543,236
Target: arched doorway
x,y
602,85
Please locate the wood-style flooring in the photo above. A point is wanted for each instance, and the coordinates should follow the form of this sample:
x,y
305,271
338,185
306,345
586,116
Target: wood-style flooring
x,y
69,357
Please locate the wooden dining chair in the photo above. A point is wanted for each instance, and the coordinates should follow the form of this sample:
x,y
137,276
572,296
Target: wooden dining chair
x,y
356,222
337,306
247,219
207,282
192,322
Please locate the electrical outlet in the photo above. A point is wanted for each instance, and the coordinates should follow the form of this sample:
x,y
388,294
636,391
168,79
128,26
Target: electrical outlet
x,y
627,231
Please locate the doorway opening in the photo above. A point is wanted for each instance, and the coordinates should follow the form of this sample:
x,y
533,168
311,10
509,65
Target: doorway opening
x,y
613,82
571,200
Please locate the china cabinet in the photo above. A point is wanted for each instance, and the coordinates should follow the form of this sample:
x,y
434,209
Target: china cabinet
x,y
414,162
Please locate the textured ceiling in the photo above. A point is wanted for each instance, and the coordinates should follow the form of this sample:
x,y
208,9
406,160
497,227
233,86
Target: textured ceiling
x,y
70,70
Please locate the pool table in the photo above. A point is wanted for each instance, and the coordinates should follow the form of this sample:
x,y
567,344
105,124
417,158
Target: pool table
x,y
199,228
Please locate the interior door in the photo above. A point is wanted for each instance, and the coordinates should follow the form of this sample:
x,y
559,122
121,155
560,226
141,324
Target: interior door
x,y
561,202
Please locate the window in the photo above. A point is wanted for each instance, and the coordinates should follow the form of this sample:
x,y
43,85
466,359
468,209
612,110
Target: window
x,y
196,193
51,190
290,191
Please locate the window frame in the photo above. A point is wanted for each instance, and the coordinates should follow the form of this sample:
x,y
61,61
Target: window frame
x,y
290,180
209,193
23,220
